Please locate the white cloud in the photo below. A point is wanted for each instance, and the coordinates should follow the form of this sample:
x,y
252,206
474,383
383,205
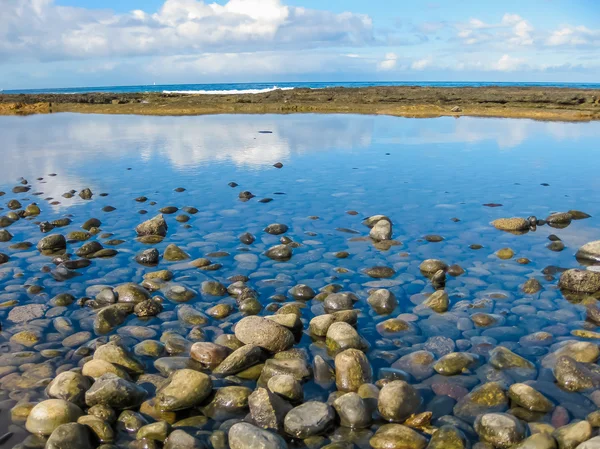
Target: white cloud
x,y
422,64
252,40
512,30
41,30
574,36
508,63
273,63
388,63
521,29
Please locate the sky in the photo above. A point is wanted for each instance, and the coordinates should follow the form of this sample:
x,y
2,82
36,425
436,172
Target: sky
x,y
76,43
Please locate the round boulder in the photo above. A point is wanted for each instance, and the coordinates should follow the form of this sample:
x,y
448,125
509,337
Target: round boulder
x,y
46,416
398,400
309,419
267,334
499,429
243,435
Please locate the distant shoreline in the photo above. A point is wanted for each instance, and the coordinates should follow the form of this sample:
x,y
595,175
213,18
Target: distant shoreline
x,y
539,103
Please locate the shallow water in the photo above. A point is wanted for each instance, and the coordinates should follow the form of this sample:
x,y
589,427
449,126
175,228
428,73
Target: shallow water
x,y
419,172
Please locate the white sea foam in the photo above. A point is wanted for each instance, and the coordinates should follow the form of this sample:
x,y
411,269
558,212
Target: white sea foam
x,y
226,92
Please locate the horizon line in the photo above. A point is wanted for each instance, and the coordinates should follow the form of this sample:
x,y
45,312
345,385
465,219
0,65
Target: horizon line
x,y
276,83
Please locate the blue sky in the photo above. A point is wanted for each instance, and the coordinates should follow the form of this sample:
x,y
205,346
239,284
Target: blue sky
x,y
67,43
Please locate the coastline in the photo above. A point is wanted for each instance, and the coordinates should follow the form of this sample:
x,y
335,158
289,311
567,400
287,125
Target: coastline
x,y
538,103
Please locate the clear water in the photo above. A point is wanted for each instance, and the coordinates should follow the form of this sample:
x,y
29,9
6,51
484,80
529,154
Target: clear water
x,y
223,88
419,172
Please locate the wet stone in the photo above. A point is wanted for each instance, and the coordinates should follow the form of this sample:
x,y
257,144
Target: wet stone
x,y
86,194
99,428
228,403
5,236
455,270
382,301
487,398
437,301
576,376
583,281
186,388
181,439
52,243
556,246
380,272
397,436
109,317
339,301
91,223
499,429
532,286
455,363
70,436
398,400
114,353
511,224
240,359
115,392
48,415
279,253
264,333
267,409
505,253
572,435
247,238
22,314
148,257
448,437
276,229
559,219
298,368
433,238
431,266
302,292
341,336
210,355
503,358
286,386
353,411
155,226
309,419
244,435
213,288
381,230
173,253
529,398
131,293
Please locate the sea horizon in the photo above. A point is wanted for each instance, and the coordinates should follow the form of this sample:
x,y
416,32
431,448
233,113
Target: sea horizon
x,y
262,87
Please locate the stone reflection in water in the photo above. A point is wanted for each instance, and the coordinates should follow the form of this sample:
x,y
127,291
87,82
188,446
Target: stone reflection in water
x,y
376,301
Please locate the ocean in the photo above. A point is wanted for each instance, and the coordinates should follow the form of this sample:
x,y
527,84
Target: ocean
x,y
254,88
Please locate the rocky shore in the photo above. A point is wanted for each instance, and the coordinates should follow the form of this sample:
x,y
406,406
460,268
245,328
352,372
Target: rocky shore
x,y
165,360
532,102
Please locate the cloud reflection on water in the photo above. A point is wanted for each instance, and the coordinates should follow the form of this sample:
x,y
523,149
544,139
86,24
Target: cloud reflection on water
x,y
38,145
